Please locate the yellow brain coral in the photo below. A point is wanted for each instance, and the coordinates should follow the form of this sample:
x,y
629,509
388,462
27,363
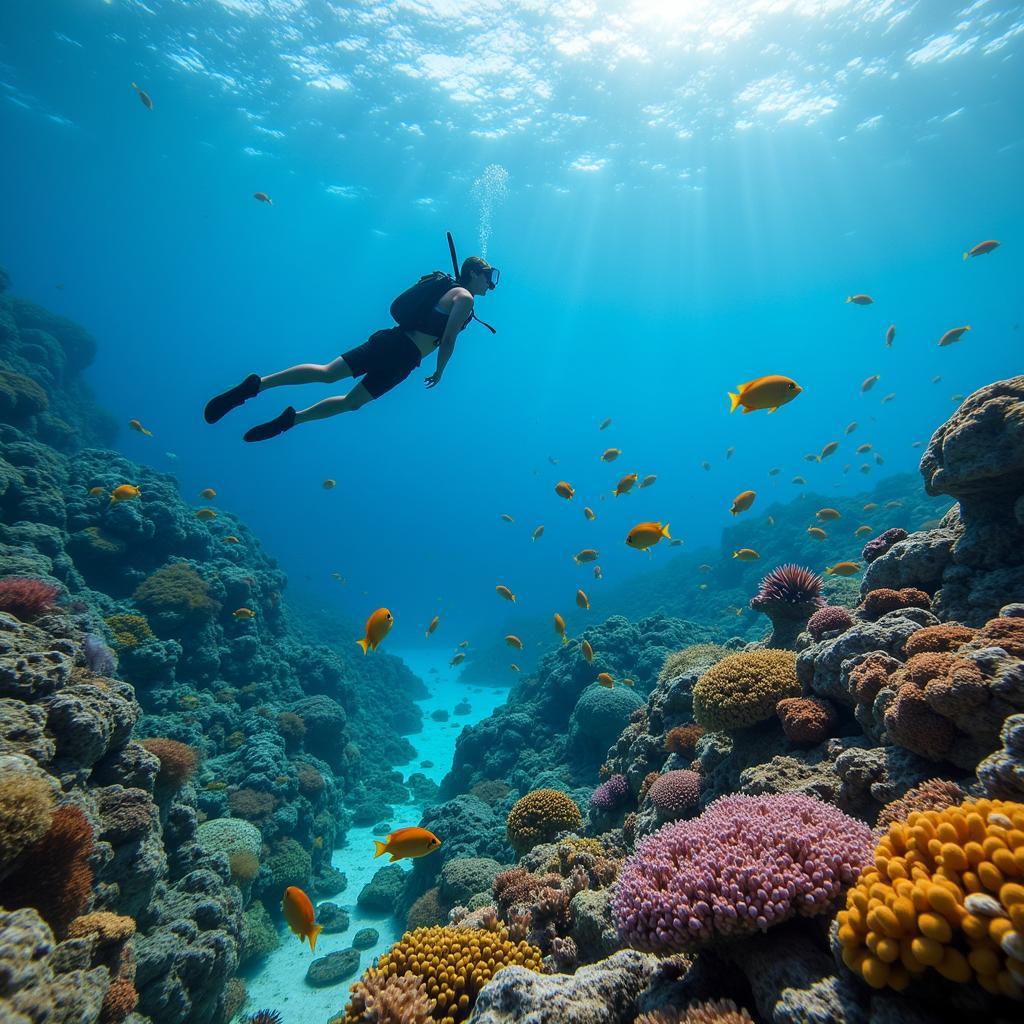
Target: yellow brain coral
x,y
539,816
454,963
946,893
744,688
129,630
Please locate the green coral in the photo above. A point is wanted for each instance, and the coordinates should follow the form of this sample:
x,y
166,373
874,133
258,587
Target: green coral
x,y
289,864
744,688
601,714
179,590
129,630
99,542
259,936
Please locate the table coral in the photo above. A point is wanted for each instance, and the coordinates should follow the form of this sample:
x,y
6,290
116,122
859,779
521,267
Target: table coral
x,y
539,816
744,688
944,894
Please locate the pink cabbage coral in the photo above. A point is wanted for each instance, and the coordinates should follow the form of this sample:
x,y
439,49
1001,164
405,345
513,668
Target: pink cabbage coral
x,y
830,619
675,793
746,863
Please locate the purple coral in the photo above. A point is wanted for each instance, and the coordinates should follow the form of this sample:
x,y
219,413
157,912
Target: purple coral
x,y
675,793
830,619
788,595
99,658
877,546
610,794
746,863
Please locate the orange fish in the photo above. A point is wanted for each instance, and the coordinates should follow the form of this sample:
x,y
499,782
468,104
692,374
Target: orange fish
x,y
560,628
586,555
407,842
124,492
298,912
137,426
644,536
433,625
588,651
513,641
605,679
982,248
610,454
504,592
564,490
823,515
148,103
860,300
96,491
206,514
843,569
742,502
953,334
377,627
625,484
589,513
208,493
262,197
582,600
817,532
537,533
769,393
746,555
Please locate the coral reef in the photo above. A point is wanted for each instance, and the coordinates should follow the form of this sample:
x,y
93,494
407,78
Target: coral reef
x,y
806,720
743,689
789,595
829,619
26,598
539,816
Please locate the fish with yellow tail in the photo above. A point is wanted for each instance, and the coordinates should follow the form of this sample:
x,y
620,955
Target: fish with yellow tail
x,y
582,600
644,536
588,513
298,912
586,555
742,502
409,842
746,555
433,625
378,625
625,484
816,532
860,300
139,428
564,490
869,382
828,450
953,334
243,613
560,628
588,651
843,569
124,492
610,454
982,248
503,591
513,641
768,392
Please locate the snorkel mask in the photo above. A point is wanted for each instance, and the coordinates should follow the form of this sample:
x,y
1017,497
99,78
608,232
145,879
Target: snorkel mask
x,y
492,274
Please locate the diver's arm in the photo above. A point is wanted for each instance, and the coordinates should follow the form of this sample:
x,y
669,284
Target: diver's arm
x,y
462,308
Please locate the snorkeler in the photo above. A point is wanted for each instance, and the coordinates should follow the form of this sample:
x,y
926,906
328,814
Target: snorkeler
x,y
428,315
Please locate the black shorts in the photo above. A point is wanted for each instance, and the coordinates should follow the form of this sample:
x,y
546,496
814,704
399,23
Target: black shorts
x,y
386,358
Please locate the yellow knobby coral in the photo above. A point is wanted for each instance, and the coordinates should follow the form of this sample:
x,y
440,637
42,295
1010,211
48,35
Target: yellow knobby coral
x,y
129,630
539,816
946,892
454,963
744,688
678,663
26,811
109,927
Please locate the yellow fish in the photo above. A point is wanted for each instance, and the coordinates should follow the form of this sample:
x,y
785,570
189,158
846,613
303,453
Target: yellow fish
x,y
862,531
746,555
625,484
537,533
644,536
513,641
507,518
231,539
610,454
843,569
816,532
378,625
582,600
433,625
828,450
742,502
208,493
137,426
588,651
648,480
329,484
605,679
586,555
769,393
407,842
560,628
504,592
564,490
124,492
823,515
860,300
206,514
243,613
298,912
869,382
953,334
589,513
96,491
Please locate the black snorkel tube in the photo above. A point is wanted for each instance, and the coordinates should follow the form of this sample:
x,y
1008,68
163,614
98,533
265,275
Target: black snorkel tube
x,y
455,269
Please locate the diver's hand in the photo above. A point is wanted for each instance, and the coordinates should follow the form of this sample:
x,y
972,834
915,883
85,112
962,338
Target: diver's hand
x,y
433,380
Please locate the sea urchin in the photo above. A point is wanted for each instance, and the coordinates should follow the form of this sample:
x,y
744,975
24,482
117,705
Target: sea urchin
x,y
789,595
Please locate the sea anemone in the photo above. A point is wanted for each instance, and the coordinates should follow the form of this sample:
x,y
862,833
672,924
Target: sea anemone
x,y
789,595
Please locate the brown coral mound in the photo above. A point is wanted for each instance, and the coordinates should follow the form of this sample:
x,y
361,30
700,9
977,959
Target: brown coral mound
x,y
744,688
715,1011
1005,633
868,677
931,795
807,720
518,888
679,663
106,926
252,804
491,791
922,668
947,637
119,1001
911,723
539,816
311,781
26,811
426,911
390,1000
178,761
683,738
878,602
245,865
291,726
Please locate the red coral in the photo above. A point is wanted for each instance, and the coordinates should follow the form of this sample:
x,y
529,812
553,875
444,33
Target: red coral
x,y
26,598
922,668
120,1000
807,720
911,723
55,877
178,761
878,602
683,738
947,637
830,619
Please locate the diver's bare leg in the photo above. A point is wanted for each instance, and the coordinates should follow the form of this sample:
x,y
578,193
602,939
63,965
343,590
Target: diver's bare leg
x,y
308,373
355,399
